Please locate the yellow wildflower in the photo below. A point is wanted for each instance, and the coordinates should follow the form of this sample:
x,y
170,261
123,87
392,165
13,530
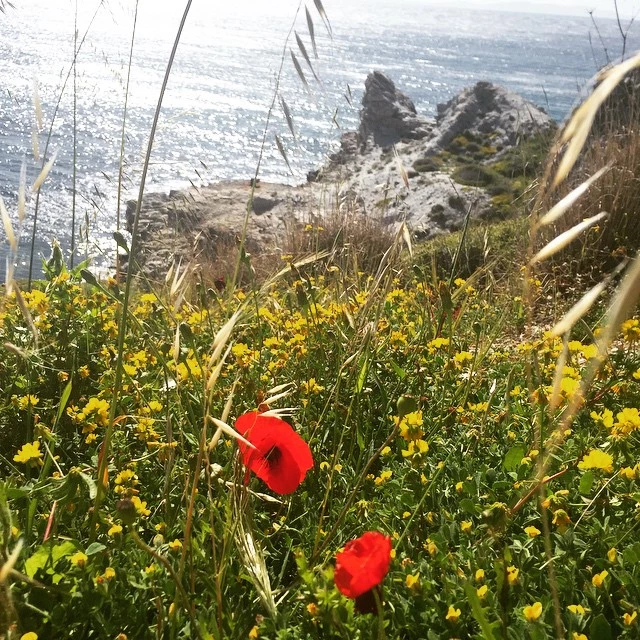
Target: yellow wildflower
x,y
452,614
561,519
311,386
627,421
430,547
579,636
462,357
466,526
629,619
141,506
597,459
631,330
437,343
532,531
382,478
24,402
413,582
108,575
628,473
612,554
175,545
598,579
415,449
479,575
410,425
115,530
29,454
532,612
512,575
482,591
78,559
577,609
254,632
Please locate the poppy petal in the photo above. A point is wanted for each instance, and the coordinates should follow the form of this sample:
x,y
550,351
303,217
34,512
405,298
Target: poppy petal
x,y
363,564
281,457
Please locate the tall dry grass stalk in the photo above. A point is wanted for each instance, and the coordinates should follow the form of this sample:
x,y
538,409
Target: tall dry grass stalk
x,y
122,325
595,167
47,161
607,171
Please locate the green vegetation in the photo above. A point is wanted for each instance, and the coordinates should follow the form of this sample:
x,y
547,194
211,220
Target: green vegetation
x,y
453,481
526,159
430,163
474,175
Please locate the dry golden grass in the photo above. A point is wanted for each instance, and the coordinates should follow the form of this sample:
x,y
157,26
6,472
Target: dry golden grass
x,y
595,167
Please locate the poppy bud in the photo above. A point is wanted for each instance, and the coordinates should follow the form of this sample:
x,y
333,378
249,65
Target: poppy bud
x,y
126,510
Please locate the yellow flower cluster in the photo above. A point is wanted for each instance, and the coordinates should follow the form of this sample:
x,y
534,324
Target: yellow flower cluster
x,y
597,459
29,454
410,425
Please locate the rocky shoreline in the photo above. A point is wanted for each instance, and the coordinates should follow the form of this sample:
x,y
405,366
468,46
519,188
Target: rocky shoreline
x,y
460,161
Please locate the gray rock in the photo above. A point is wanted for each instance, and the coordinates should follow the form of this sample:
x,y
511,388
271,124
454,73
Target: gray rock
x,y
387,114
263,204
489,109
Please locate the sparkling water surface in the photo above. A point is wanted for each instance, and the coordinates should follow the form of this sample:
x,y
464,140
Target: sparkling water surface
x,y
222,85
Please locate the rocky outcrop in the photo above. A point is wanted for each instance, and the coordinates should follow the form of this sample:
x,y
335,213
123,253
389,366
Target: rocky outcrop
x,y
388,115
207,220
366,176
486,109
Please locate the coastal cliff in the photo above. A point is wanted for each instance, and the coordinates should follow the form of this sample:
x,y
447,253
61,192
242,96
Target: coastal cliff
x,y
399,166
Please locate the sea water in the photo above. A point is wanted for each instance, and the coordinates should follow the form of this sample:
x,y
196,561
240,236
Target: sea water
x,y
221,87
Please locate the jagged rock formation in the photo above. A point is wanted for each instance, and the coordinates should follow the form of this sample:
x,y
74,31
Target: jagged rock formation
x,y
486,109
477,126
388,115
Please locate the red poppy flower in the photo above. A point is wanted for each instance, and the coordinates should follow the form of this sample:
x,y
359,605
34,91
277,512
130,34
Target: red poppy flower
x,y
281,458
362,566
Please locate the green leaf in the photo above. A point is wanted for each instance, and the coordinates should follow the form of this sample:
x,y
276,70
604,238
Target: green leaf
x,y
120,241
13,493
586,483
91,485
95,547
63,550
46,555
63,400
469,506
398,370
600,629
632,553
362,376
513,457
